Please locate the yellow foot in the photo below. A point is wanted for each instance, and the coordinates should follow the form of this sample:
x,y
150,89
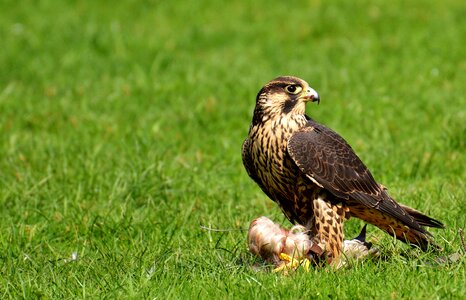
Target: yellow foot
x,y
291,263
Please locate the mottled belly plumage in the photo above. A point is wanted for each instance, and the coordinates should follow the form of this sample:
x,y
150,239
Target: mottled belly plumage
x,y
284,182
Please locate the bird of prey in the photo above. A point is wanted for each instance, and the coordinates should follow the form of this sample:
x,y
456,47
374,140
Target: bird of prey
x,y
315,176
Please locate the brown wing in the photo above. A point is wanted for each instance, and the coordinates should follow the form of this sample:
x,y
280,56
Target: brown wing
x,y
327,158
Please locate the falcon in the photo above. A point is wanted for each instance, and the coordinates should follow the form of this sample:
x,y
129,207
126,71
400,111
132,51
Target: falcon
x,y
315,177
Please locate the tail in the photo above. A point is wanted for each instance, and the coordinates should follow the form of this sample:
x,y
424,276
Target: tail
x,y
427,221
408,229
422,219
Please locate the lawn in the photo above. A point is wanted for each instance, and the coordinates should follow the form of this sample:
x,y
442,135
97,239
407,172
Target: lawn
x,y
121,128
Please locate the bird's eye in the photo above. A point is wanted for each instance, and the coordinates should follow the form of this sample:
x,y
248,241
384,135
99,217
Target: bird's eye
x,y
293,89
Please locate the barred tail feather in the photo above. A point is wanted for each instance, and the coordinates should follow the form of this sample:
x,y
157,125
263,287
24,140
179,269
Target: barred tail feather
x,y
393,226
421,218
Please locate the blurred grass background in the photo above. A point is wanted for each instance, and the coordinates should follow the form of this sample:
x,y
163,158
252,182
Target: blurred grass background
x,y
121,127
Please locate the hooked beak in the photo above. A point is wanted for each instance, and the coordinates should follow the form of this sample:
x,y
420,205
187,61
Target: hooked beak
x,y
311,95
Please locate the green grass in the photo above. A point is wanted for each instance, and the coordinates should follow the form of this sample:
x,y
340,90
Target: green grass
x,y
121,127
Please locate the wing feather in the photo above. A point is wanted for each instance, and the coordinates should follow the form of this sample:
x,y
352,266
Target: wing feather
x,y
326,157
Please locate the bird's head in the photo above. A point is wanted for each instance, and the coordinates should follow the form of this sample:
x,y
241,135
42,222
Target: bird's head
x,y
286,95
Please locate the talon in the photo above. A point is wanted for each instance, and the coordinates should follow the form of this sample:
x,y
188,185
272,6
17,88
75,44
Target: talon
x,y
291,263
285,257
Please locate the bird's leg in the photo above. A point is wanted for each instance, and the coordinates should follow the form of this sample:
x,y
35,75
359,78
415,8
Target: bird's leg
x,y
328,226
